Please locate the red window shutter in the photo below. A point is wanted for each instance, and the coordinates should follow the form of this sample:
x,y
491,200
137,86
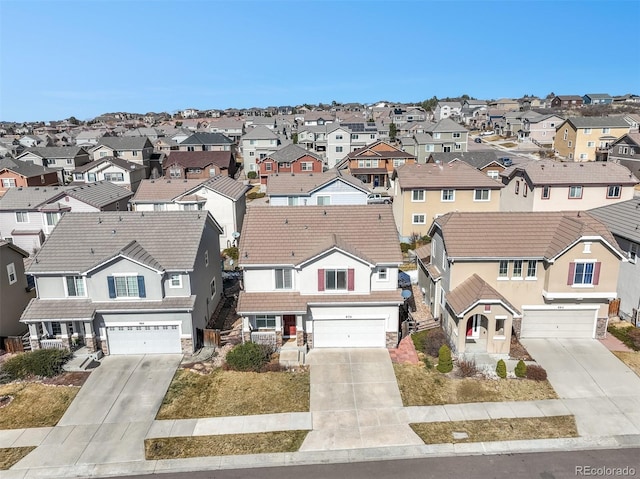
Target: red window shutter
x,y
572,270
596,273
350,279
321,280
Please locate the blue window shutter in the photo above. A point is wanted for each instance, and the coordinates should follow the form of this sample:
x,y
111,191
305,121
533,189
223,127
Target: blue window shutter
x,y
141,291
112,287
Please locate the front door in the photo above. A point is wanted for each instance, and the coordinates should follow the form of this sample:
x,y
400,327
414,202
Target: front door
x,y
473,327
289,325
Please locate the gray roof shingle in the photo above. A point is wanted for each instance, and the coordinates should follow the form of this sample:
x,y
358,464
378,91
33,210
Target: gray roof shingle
x,y
622,219
290,153
204,138
125,142
586,173
598,122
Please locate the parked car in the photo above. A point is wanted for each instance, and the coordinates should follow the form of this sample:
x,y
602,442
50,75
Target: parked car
x,y
478,140
506,161
378,199
487,133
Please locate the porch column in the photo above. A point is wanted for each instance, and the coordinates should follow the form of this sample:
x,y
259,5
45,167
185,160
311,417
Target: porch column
x,y
462,334
89,337
33,336
64,332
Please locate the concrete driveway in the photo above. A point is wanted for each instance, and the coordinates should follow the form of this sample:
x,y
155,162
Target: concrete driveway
x,y
109,418
355,401
600,390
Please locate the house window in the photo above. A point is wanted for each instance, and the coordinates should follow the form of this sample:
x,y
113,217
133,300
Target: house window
x,y
525,189
398,162
531,268
77,176
587,131
591,144
457,135
566,133
448,195
482,195
383,274
284,279
583,156
212,287
75,286
517,269
56,330
306,166
417,195
570,144
517,187
191,148
633,252
52,218
323,200
292,201
418,219
114,176
175,173
503,268
175,280
267,166
606,130
126,286
457,146
621,150
575,192
436,136
335,279
338,149
252,153
8,182
103,154
339,137
354,137
159,207
134,153
500,326
11,273
614,191
206,258
587,247
493,174
22,217
583,273
546,192
264,321
69,161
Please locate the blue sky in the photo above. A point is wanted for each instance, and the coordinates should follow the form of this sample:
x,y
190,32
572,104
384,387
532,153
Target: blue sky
x,y
87,57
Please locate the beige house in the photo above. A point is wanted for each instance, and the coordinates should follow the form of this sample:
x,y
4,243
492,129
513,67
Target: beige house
x,y
535,275
422,192
548,185
580,138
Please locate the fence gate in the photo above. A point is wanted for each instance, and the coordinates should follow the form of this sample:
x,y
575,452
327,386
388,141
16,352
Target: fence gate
x,y
614,307
13,344
212,338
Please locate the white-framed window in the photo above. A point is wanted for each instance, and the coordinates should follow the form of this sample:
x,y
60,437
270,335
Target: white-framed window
x,y
338,149
448,195
583,273
175,280
614,191
587,131
75,286
159,207
398,162
103,154
525,189
8,182
323,200
482,194
265,321
503,268
591,144
532,267
570,156
575,192
206,258
52,218
500,320
354,137
583,156
114,176
11,273
252,153
284,278
69,161
457,134
383,274
212,287
127,286
429,148
306,166
517,187
335,279
633,252
606,130
566,133
493,174
570,144
292,201
418,219
623,149
268,166
134,153
436,136
517,269
367,163
175,173
22,216
372,137
78,176
339,137
417,195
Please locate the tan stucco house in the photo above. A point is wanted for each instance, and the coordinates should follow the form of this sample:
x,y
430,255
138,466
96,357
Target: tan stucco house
x,y
579,138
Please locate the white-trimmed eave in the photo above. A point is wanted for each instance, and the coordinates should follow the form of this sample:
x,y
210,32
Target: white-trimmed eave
x,y
613,249
514,312
580,293
121,256
331,249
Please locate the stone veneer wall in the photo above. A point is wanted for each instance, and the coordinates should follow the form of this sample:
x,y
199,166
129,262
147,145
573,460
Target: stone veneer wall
x,y
601,328
187,345
301,337
310,340
392,340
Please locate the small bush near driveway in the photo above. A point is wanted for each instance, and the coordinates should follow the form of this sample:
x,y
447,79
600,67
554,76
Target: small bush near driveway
x,y
536,373
467,368
429,341
39,363
501,369
248,357
629,335
445,363
521,369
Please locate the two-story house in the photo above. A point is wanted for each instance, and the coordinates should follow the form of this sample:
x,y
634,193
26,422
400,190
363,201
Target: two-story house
x,y
422,192
580,138
137,149
257,143
375,163
311,275
290,159
626,151
567,101
199,164
29,214
15,293
232,128
541,129
63,159
116,170
486,161
221,196
444,136
535,275
447,109
126,282
548,185
203,141
623,220
15,173
333,187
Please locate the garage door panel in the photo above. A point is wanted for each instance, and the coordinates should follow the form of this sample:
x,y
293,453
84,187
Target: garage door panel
x,y
363,333
558,324
163,339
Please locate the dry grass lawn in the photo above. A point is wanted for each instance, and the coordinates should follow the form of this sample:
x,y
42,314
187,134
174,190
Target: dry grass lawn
x,y
223,445
233,393
11,455
508,144
630,358
35,404
497,429
420,386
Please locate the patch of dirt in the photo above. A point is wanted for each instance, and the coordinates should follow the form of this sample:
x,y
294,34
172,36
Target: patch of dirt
x,y
5,401
76,378
518,351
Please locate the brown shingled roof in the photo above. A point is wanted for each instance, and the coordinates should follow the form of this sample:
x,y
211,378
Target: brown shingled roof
x,y
549,172
289,235
163,190
458,175
306,183
541,235
199,159
475,290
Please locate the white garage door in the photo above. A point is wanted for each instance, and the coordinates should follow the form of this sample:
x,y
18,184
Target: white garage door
x,y
352,333
144,339
577,323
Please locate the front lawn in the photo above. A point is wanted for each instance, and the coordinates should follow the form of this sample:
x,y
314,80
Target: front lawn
x,y
233,393
626,333
496,429
420,386
223,445
11,455
630,358
34,404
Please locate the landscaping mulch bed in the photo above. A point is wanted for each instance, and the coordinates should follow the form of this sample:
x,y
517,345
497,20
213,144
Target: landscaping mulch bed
x,y
518,351
76,378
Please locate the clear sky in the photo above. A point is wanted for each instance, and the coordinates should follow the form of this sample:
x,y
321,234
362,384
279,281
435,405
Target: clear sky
x,y
87,57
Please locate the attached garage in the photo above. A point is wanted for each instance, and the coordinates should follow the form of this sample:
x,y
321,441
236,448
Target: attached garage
x,y
163,339
351,333
559,323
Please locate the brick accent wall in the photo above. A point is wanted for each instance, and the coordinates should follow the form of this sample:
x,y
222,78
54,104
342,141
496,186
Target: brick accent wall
x,y
392,340
601,327
187,345
104,346
517,326
91,343
278,339
310,340
300,337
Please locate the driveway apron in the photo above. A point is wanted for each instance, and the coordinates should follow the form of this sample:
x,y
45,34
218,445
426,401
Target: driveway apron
x,y
598,388
355,401
109,418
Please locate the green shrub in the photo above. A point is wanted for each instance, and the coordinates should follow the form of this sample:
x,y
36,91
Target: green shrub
x,y
630,336
405,247
521,369
231,253
248,357
253,195
445,363
252,175
501,369
536,373
41,363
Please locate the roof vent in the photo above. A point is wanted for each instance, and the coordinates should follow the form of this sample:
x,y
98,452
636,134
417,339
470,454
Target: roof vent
x,y
293,253
286,221
246,255
113,232
99,220
581,165
92,251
